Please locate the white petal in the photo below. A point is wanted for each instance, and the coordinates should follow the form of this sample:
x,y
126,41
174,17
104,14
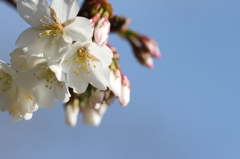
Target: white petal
x,y
60,75
99,76
78,82
30,41
80,29
103,53
7,98
70,53
33,61
26,103
65,9
45,97
55,51
18,60
61,92
26,79
33,10
6,67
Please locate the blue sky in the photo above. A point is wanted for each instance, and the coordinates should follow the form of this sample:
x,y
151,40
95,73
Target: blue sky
x,y
187,107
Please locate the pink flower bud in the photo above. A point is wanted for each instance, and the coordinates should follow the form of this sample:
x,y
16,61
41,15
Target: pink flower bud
x,y
97,96
101,31
144,47
151,46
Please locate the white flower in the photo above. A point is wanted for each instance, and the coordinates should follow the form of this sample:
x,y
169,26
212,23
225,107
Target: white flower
x,y
54,27
43,82
19,102
87,63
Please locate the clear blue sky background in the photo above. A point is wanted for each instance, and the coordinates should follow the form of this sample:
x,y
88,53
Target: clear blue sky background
x,y
186,108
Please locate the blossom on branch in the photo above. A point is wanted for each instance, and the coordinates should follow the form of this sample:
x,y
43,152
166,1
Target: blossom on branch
x,y
54,27
86,63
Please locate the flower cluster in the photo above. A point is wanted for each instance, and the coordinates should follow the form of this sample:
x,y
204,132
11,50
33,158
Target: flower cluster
x,y
65,56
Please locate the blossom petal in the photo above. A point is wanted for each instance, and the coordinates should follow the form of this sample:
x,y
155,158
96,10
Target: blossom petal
x,y
78,82
99,76
65,9
103,53
61,92
60,75
33,10
80,29
69,55
55,51
26,79
45,97
30,42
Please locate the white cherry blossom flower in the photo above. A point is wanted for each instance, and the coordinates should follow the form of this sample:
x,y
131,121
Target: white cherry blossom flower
x,y
19,102
87,63
43,82
54,27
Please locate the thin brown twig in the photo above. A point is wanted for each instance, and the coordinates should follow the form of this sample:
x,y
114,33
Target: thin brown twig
x,y
12,2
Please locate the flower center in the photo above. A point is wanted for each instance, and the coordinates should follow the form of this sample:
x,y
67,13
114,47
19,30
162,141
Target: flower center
x,y
54,28
6,81
84,59
47,75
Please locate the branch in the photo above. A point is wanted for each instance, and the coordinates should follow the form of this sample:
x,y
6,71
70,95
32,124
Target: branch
x,y
12,2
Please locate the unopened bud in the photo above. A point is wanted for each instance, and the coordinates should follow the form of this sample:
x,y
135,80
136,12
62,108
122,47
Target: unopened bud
x,y
97,95
115,82
101,31
72,111
93,116
124,97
